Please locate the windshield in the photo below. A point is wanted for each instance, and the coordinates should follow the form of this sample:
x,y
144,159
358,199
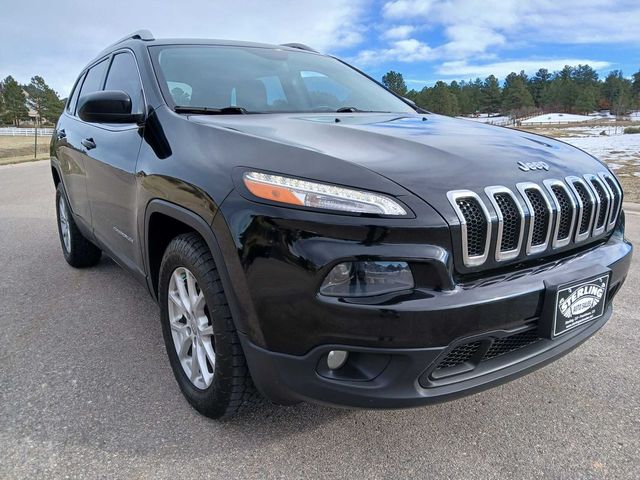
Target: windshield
x,y
264,80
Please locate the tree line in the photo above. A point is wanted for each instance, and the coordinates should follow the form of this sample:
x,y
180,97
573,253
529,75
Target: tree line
x,y
17,99
570,90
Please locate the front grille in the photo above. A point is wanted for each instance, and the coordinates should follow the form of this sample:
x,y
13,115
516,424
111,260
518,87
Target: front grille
x,y
540,224
565,212
459,355
511,221
587,207
552,211
503,345
471,354
616,199
476,225
604,203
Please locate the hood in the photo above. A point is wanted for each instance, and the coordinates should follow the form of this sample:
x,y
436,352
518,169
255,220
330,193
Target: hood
x,y
428,155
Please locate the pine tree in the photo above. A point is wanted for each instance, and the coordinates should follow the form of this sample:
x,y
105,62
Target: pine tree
x,y
14,101
44,100
1,100
538,84
515,95
36,93
617,91
587,100
491,95
635,88
394,82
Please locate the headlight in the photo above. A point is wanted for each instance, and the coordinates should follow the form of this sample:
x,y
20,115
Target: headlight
x,y
364,279
319,195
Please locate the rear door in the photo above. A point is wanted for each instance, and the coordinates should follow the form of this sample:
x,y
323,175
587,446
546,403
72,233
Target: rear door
x,y
111,153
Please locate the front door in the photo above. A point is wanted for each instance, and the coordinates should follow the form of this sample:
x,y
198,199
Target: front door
x,y
111,154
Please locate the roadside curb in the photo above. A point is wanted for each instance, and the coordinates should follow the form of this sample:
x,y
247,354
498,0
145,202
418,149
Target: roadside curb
x,y
631,207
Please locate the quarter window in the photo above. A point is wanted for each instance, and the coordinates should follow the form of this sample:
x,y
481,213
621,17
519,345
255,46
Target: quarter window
x,y
123,75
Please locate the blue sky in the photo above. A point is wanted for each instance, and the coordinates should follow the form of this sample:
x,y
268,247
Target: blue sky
x,y
425,40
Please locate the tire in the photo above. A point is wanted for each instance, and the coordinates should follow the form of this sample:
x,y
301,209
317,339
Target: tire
x,y
77,250
220,385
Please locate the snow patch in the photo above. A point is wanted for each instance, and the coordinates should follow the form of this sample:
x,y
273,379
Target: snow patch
x,y
560,118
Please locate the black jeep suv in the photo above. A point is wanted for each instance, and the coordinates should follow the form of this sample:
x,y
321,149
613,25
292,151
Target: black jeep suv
x,y
309,233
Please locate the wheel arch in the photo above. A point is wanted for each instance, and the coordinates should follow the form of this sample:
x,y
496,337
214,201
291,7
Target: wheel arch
x,y
184,220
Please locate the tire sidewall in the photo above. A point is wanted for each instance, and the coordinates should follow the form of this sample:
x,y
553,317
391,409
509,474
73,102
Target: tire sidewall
x,y
211,401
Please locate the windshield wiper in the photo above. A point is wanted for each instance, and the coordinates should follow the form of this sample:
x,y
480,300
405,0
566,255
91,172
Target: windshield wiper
x,y
355,109
210,111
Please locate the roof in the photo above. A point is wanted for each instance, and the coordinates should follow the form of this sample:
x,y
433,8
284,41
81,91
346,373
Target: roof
x,y
147,37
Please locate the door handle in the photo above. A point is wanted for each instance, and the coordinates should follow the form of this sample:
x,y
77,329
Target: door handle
x,y
61,134
88,143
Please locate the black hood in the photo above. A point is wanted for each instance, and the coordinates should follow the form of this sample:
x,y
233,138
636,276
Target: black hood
x,y
426,154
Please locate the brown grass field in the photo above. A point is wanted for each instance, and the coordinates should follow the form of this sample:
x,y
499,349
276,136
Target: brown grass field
x,y
20,149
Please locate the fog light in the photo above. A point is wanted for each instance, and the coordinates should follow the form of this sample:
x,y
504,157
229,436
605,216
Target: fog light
x,y
363,279
336,359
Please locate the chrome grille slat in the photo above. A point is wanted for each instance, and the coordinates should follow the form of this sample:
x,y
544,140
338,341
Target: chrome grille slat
x,y
471,259
616,198
565,212
586,203
540,215
603,203
510,218
556,213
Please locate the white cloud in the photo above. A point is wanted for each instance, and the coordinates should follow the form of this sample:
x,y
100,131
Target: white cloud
x,y
399,32
474,29
462,69
322,24
406,51
471,39
407,8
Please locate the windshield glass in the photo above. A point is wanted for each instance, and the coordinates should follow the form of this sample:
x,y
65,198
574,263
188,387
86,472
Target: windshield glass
x,y
263,80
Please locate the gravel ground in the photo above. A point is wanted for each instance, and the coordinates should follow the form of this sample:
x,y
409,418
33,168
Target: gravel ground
x,y
86,390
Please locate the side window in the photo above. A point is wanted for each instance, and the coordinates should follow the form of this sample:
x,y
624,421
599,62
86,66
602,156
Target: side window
x,y
93,80
123,75
73,99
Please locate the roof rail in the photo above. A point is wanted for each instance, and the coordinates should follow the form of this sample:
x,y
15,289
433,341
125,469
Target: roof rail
x,y
137,35
299,46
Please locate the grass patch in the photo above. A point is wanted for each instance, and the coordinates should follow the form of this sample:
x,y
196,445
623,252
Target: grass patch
x,y
20,149
632,130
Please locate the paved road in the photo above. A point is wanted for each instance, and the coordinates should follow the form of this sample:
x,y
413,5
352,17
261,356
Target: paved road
x,y
86,390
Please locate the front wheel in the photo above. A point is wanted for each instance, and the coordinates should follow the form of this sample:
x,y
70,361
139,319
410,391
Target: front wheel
x,y
199,334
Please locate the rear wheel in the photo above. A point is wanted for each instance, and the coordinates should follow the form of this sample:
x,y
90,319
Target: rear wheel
x,y
77,250
199,334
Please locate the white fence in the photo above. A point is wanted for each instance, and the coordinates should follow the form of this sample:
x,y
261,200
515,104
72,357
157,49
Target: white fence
x,y
25,132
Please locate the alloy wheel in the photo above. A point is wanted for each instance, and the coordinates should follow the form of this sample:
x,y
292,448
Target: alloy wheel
x,y
191,328
63,219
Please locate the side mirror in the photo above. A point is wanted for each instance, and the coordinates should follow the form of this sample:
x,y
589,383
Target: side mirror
x,y
108,106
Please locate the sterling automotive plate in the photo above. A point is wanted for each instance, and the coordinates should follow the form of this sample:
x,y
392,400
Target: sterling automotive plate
x,y
579,302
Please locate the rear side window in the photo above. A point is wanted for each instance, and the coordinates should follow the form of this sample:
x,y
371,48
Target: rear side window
x,y
93,80
123,75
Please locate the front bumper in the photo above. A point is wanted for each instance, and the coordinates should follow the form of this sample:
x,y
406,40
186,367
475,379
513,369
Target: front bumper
x,y
287,379
278,257
504,307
